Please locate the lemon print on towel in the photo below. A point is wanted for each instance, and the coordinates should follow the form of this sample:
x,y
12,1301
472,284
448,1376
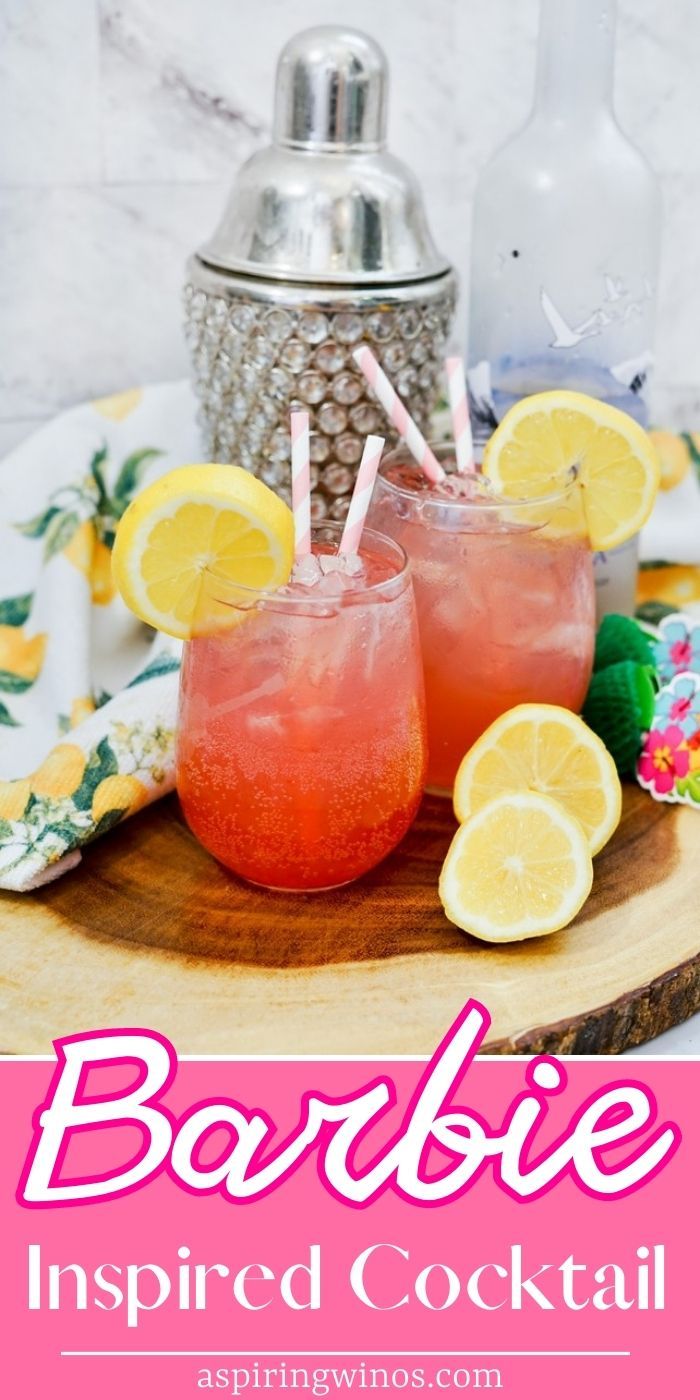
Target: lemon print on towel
x,y
80,520
75,794
14,796
663,587
21,656
120,792
61,772
117,407
21,652
93,558
94,783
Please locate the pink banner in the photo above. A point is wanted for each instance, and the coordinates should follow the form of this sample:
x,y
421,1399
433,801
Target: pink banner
x,y
554,1258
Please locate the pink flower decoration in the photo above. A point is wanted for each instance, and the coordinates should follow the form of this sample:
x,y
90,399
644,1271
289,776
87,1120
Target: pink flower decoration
x,y
665,757
682,654
681,707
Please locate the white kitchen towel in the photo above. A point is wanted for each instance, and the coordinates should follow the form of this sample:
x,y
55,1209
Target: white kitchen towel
x,y
87,693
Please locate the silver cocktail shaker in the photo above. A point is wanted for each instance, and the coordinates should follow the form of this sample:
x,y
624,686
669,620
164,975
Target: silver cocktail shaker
x,y
324,245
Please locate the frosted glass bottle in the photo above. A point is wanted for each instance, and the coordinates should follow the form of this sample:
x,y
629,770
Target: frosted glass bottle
x,y
565,249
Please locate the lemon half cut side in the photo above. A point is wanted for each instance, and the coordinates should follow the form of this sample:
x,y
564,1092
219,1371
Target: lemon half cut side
x,y
545,749
519,868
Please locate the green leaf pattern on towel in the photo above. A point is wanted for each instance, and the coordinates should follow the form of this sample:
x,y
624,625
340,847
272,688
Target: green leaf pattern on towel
x,y
21,656
161,665
14,612
690,440
80,520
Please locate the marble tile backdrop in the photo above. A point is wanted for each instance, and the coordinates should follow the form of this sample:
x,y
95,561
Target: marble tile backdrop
x,y
122,122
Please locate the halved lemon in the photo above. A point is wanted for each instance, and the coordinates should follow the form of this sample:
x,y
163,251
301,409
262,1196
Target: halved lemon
x,y
196,518
520,868
543,749
543,436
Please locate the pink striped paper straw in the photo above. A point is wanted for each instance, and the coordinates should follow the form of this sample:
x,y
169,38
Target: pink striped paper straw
x,y
459,406
361,496
399,415
301,482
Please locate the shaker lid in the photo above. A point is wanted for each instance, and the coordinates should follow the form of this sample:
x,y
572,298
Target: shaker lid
x,y
326,202
331,91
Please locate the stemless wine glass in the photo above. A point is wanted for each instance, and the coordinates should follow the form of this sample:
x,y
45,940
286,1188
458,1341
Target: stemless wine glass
x,y
505,597
301,750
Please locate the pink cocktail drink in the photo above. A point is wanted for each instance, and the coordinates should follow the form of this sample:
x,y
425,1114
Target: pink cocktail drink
x,y
505,600
301,747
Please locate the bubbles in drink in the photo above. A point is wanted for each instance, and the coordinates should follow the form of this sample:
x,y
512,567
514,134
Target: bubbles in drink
x,y
301,751
505,604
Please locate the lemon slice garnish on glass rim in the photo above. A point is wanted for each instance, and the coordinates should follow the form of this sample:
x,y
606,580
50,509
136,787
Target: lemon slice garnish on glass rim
x,y
519,868
543,749
543,436
195,518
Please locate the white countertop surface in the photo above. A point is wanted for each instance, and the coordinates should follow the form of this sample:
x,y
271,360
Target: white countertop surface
x,y
682,1040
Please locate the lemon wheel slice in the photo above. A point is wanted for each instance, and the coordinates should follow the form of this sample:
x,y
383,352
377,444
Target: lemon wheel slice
x,y
520,868
196,518
543,436
543,749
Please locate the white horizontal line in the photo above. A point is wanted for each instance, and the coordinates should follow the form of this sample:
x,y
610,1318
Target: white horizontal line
x,y
7,1057
345,1353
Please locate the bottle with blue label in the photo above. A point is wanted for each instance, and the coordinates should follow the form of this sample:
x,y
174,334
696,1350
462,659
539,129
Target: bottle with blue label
x,y
565,250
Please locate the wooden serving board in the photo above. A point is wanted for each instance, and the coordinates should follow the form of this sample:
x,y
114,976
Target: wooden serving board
x,y
150,931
